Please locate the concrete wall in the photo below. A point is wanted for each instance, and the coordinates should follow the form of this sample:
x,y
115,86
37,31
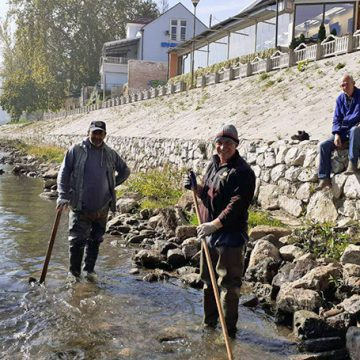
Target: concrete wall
x,y
141,72
155,33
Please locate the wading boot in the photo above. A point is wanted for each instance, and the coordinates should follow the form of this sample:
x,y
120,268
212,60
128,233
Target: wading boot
x,y
91,255
76,254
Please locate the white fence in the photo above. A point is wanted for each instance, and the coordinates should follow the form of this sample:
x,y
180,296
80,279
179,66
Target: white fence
x,y
331,46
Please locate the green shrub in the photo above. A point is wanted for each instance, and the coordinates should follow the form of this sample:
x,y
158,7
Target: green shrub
x,y
339,66
43,152
158,188
321,33
263,76
322,240
302,65
257,217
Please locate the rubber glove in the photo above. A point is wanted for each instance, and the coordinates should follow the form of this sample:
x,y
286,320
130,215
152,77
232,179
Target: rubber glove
x,y
206,229
189,181
62,203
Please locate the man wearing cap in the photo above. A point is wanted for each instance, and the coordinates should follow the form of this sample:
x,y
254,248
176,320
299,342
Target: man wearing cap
x,y
345,129
87,179
226,193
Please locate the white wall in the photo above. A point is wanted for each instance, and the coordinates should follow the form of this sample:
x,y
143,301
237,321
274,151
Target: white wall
x,y
155,33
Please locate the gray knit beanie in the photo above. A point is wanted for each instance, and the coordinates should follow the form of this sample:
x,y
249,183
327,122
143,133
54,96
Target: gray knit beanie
x,y
228,132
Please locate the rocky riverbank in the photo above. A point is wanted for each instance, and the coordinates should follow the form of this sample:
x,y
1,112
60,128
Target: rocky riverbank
x,y
317,296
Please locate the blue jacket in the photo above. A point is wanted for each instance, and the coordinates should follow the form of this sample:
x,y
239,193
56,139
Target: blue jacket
x,y
71,174
346,115
227,193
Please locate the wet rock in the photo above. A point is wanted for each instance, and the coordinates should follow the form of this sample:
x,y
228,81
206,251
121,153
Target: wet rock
x,y
351,255
283,276
134,271
145,214
291,299
353,342
167,246
187,270
195,260
190,247
192,280
290,252
340,354
49,183
126,205
264,271
114,223
148,233
51,174
1,171
264,292
309,325
136,239
148,258
249,300
176,258
262,230
154,221
168,221
156,276
322,344
185,231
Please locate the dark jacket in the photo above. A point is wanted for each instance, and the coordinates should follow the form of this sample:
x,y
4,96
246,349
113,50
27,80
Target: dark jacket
x,y
227,193
347,113
71,174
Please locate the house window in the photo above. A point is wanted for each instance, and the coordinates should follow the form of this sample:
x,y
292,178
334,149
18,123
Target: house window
x,y
178,30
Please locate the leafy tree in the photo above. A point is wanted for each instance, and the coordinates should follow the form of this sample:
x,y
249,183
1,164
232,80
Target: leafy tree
x,y
58,44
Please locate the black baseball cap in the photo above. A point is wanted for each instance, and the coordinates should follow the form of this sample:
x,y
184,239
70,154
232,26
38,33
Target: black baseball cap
x,y
97,125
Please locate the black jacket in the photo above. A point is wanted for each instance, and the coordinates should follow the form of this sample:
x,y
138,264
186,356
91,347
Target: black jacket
x,y
227,193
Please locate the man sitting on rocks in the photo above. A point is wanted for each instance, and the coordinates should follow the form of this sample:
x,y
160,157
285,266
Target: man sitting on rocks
x,y
345,129
226,193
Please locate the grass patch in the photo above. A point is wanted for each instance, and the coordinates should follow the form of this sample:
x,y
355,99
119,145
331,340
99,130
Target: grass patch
x,y
324,240
158,188
257,217
263,76
339,66
45,153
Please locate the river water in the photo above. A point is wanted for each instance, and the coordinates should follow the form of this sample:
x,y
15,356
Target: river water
x,y
119,317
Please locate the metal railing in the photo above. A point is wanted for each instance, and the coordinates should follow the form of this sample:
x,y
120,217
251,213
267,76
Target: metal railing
x,y
115,60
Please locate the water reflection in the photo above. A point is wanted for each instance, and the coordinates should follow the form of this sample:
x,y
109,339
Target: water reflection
x,y
119,317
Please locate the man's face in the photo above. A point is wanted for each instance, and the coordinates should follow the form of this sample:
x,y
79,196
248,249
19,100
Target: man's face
x,y
226,149
97,137
347,85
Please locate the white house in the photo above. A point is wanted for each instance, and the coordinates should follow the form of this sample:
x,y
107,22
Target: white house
x,y
147,41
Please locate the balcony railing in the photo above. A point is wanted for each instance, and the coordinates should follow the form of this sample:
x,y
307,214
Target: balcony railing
x,y
115,60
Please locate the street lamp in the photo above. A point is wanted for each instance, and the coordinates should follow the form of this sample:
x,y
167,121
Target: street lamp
x,y
195,2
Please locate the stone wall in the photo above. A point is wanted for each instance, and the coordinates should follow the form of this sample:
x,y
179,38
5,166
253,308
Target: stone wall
x,y
286,171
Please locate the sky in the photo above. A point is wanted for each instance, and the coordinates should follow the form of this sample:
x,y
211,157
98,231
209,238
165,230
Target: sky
x,y
220,9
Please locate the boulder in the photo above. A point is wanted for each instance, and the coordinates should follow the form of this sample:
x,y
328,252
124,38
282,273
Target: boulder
x,y
291,299
148,258
187,270
192,280
353,342
262,230
136,239
351,255
322,344
309,325
304,192
321,207
168,220
154,221
352,187
319,278
291,205
185,231
126,205
263,271
51,174
166,246
290,252
176,258
190,247
264,249
268,197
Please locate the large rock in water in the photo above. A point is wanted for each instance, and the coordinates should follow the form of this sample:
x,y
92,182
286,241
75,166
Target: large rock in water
x,y
309,325
148,258
185,231
321,207
353,342
126,205
351,255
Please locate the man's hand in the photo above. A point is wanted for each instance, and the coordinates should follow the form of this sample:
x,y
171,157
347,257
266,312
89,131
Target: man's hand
x,y
189,181
337,141
208,228
62,203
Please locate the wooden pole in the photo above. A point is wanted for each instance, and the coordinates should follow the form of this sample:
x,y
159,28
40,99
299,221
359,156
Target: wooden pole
x,y
213,282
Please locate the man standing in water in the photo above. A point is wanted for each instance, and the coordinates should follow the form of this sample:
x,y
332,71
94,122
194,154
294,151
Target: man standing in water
x,y
226,193
87,179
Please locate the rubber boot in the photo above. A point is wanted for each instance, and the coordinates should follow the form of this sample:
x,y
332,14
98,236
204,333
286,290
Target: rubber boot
x,y
92,252
76,254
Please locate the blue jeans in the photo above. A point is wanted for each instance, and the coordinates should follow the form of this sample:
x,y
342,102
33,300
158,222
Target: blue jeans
x,y
328,146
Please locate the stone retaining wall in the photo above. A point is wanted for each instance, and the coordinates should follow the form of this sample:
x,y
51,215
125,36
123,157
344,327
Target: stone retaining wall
x,y
286,171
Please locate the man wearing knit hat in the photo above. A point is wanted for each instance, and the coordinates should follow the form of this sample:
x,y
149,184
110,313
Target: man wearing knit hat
x,y
226,193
